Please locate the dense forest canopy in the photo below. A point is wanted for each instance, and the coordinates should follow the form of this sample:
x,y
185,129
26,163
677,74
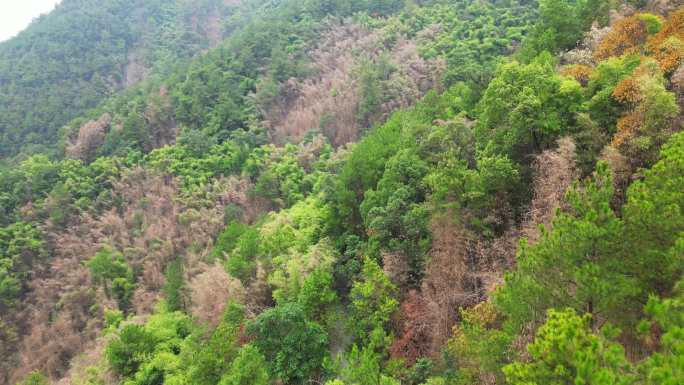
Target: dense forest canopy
x,y
372,192
69,61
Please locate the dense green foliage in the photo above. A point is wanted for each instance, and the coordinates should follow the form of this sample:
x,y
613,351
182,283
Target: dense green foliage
x,y
248,368
498,231
110,269
21,245
527,108
475,35
373,302
566,350
562,24
293,346
666,367
73,59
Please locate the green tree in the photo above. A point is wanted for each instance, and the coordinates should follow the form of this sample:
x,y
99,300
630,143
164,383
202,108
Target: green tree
x,y
241,261
126,353
282,179
36,177
373,302
575,264
365,367
248,368
566,351
109,268
654,221
174,287
604,109
162,367
649,120
293,346
527,107
316,295
393,214
146,354
562,24
361,172
478,347
228,240
123,290
208,359
477,191
76,56
372,75
21,244
196,142
666,366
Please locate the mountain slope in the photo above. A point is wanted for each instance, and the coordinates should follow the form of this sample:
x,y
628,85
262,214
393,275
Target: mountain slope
x,y
381,192
67,62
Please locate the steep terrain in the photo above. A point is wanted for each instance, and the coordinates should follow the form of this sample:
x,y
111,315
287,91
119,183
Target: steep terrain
x,y
375,192
69,61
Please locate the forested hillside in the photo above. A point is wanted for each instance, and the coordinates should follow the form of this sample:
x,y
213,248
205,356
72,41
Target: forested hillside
x,y
372,192
68,62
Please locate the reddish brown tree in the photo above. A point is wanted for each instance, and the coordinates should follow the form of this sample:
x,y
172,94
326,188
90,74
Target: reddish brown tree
x,y
415,336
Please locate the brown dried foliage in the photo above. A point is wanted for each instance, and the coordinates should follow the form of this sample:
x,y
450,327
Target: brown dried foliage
x,y
414,77
670,54
666,45
580,72
415,336
154,224
662,6
555,171
259,295
473,269
309,153
211,290
328,100
628,91
136,69
396,268
90,137
451,282
461,270
452,278
626,36
622,173
160,117
90,367
627,126
583,53
677,82
636,92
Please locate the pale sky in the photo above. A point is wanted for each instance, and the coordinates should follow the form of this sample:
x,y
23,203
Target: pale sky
x,y
15,15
